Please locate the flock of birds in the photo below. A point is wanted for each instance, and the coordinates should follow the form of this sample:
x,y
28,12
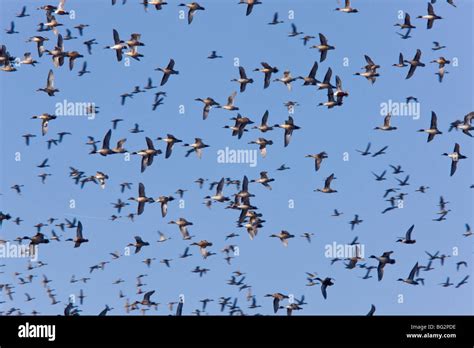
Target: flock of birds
x,y
50,42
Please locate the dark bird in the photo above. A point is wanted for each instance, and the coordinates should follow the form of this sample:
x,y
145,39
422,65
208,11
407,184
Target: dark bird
x,y
414,63
407,239
455,157
324,284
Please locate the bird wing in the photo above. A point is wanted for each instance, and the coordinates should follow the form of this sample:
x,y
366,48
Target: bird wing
x,y
276,304
79,230
149,143
116,37
265,118
50,80
408,233
327,77
411,71
434,120
454,165
268,76
141,190
242,73
164,79
169,148
323,39
323,56
413,271
380,271
106,141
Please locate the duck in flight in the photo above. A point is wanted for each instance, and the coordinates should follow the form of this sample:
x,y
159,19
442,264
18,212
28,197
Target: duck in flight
x,y
28,59
288,126
310,80
455,157
230,103
365,152
219,196
370,70
182,224
430,17
433,130
141,199
197,147
264,127
307,38
414,64
22,13
250,4
267,70
355,258
380,152
323,47
386,124
401,62
139,243
79,239
411,276
170,140
326,83
347,8
106,150
406,23
403,182
462,282
118,46
277,297
383,260
49,89
147,154
39,43
286,79
262,143
294,32
468,231
407,239
356,221
169,70
264,180
243,80
331,101
239,127
324,284
275,20
318,159
446,283
192,8
464,125
437,46
157,3
214,55
208,104
283,236
327,185
380,177
370,66
45,118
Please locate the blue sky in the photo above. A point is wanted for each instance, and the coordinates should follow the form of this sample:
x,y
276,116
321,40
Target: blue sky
x,y
269,266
